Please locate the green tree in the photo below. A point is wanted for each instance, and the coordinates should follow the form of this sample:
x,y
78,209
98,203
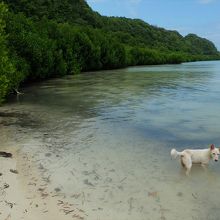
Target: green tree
x,y
6,67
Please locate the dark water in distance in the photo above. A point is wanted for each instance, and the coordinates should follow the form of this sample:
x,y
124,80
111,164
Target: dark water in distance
x,y
116,129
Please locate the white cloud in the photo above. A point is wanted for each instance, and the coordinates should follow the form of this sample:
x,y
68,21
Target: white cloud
x,y
205,1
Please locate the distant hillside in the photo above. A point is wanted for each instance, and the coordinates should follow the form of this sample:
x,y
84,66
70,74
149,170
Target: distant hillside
x,y
46,38
127,31
141,33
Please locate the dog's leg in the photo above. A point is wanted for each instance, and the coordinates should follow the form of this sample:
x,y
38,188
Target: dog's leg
x,y
186,162
188,169
204,166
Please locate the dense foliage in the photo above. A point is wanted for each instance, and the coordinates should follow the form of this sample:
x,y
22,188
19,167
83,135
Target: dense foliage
x,y
7,69
47,38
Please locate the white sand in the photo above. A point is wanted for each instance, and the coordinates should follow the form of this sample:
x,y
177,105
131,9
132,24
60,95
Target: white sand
x,y
25,196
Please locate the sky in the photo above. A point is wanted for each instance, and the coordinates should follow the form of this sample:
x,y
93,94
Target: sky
x,y
201,17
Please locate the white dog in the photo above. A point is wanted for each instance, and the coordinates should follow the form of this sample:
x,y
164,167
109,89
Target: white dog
x,y
189,157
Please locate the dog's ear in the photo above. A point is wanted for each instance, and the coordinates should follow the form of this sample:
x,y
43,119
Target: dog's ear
x,y
212,147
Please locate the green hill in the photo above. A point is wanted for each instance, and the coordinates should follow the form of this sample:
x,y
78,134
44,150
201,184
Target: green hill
x,y
127,31
72,11
47,38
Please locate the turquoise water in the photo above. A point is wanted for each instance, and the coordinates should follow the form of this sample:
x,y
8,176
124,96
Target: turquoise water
x,y
106,136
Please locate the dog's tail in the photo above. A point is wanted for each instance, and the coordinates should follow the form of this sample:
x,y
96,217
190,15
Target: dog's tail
x,y
174,153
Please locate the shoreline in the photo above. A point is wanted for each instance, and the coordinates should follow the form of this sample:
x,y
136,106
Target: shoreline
x,y
11,96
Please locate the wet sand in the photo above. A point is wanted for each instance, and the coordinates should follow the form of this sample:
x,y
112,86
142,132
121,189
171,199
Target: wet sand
x,y
24,192
25,196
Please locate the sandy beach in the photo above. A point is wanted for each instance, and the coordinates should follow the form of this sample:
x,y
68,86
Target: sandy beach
x,y
24,196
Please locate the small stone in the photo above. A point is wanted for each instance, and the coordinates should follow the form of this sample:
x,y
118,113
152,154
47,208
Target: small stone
x,y
57,189
48,154
6,186
14,171
88,183
180,194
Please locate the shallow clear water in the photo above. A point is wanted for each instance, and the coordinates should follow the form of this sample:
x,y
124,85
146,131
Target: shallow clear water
x,y
104,139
